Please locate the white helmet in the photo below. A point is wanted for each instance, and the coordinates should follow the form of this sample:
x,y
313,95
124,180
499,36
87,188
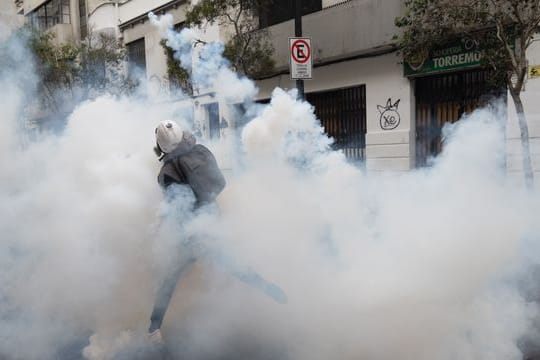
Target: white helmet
x,y
168,135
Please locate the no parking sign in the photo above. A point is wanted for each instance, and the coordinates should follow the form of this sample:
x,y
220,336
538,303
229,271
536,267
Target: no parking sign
x,y
301,58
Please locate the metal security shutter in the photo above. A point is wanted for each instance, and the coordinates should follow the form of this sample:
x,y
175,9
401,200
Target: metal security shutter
x,y
445,98
343,115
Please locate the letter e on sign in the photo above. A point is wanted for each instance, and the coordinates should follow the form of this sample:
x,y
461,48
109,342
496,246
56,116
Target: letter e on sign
x,y
300,58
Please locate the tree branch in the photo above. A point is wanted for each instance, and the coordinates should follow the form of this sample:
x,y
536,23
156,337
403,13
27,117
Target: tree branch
x,y
504,41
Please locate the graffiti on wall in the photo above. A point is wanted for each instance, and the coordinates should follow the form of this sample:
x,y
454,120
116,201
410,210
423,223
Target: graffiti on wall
x,y
390,117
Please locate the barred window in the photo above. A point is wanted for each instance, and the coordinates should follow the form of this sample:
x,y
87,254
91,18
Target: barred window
x,y
444,98
342,113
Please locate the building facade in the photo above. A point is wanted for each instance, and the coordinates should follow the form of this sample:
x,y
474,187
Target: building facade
x,y
356,78
382,113
385,112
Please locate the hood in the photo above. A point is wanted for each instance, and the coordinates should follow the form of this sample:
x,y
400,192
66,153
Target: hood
x,y
184,146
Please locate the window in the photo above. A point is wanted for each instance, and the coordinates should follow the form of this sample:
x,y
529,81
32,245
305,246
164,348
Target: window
x,y
136,58
343,115
49,14
213,120
83,24
65,12
279,11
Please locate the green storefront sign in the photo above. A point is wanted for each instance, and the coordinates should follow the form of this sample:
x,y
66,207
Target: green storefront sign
x,y
463,54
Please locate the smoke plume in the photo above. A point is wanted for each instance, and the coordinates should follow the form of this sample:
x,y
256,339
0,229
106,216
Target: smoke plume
x,y
438,263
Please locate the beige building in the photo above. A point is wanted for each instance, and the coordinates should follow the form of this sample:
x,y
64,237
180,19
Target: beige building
x,y
9,18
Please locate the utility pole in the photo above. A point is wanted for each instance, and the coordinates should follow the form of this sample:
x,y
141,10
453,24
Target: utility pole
x,y
298,33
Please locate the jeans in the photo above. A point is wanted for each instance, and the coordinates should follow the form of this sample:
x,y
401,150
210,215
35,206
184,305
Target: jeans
x,y
166,290
189,251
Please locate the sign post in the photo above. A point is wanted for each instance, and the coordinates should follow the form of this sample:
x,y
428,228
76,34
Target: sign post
x,y
298,34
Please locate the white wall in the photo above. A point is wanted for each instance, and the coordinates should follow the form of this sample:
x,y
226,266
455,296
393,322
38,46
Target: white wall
x,y
128,8
328,3
30,5
383,76
9,20
530,97
7,7
104,17
156,63
134,8
389,149
63,33
354,27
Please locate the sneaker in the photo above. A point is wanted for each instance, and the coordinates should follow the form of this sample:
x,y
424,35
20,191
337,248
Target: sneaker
x,y
155,337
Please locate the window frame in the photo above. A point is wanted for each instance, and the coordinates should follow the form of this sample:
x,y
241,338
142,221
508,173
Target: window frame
x,y
49,14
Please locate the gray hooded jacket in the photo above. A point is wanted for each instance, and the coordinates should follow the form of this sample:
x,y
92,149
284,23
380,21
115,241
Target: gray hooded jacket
x,y
169,173
194,165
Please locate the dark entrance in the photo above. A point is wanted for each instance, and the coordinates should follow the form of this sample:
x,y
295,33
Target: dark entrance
x,y
136,54
343,115
445,98
213,120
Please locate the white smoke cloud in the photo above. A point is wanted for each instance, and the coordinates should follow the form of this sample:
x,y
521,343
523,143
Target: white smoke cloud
x,y
208,68
424,265
75,223
385,267
285,129
164,23
76,211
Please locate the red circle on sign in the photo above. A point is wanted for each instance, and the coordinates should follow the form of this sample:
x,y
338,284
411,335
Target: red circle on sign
x,y
293,52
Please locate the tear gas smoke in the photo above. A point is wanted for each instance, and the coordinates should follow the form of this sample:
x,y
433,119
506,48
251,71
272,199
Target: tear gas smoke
x,y
211,69
425,265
